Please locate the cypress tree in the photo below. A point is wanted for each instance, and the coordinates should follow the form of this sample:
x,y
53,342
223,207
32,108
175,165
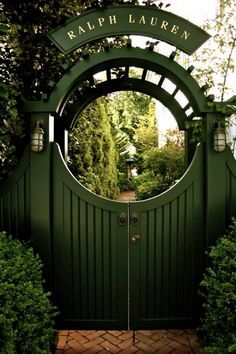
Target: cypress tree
x,y
92,153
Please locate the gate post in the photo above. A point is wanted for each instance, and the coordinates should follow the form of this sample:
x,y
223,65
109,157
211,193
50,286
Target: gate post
x,y
41,217
215,183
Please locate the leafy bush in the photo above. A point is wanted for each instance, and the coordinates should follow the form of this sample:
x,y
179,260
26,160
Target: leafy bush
x,y
148,185
126,184
12,130
26,314
218,288
161,168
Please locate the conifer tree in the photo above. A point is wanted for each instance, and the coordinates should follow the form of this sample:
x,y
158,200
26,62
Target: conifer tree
x,y
92,153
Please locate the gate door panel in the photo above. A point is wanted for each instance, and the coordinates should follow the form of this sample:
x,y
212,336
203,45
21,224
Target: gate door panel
x,y
90,253
166,254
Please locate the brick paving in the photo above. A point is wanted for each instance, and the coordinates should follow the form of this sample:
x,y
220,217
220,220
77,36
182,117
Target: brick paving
x,y
176,341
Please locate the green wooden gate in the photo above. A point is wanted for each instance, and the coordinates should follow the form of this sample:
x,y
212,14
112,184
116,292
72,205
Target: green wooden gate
x,y
127,265
111,264
90,257
166,256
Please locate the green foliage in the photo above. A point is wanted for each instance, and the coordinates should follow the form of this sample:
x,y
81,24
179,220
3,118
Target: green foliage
x,y
26,313
194,129
226,108
30,59
146,135
128,109
161,168
92,154
218,289
132,116
148,186
12,130
126,184
217,56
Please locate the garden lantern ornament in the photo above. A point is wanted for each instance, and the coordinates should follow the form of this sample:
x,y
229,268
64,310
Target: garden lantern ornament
x,y
219,137
37,138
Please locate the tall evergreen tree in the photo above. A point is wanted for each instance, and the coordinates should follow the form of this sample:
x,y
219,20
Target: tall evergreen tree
x,y
92,153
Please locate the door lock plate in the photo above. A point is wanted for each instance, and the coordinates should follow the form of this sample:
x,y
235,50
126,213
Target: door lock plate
x,y
134,238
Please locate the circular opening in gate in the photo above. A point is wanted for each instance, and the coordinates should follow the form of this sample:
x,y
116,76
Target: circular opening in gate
x,y
126,146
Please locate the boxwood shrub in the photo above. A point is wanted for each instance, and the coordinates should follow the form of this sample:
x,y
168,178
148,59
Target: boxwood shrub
x,y
26,312
218,288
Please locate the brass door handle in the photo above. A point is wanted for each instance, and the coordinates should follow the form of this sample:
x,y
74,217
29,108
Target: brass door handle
x,y
134,238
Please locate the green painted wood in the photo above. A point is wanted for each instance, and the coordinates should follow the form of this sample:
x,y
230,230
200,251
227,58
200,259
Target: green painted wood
x,y
15,201
111,21
122,57
40,193
230,183
215,183
90,254
166,263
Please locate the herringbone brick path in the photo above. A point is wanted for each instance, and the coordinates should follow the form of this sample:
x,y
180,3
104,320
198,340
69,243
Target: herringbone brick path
x,y
175,341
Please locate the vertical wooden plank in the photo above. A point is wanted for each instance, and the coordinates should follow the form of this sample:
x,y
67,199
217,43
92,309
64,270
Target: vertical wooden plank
x,y
98,264
91,260
75,254
188,249
230,184
106,264
1,213
114,266
233,195
123,268
67,245
159,263
83,260
57,248
173,258
151,264
19,226
181,255
21,206
28,205
15,207
139,265
137,268
13,211
166,260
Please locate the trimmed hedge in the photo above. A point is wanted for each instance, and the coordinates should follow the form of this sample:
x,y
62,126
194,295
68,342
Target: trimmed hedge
x,y
26,313
218,288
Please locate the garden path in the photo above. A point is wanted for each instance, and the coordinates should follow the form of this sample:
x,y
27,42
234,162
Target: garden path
x,y
176,341
128,196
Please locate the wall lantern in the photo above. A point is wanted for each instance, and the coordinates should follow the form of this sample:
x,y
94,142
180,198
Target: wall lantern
x,y
37,138
219,137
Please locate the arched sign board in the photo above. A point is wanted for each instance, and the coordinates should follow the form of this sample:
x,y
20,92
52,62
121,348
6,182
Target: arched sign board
x,y
128,19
